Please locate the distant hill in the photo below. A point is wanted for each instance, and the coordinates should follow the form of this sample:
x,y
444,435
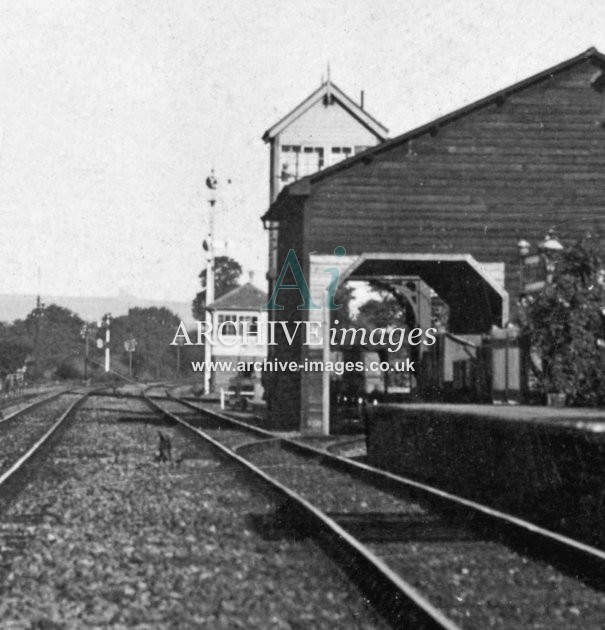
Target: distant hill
x,y
90,309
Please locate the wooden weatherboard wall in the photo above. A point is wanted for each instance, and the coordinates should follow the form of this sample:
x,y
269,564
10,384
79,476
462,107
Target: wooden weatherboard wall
x,y
509,167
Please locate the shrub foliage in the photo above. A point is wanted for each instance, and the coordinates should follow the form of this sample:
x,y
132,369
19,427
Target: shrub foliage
x,y
565,327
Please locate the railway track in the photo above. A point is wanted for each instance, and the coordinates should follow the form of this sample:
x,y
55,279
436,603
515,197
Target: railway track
x,y
15,406
427,558
399,602
29,425
106,535
26,433
16,400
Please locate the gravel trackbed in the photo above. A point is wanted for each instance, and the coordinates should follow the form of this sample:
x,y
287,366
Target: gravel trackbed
x,y
104,536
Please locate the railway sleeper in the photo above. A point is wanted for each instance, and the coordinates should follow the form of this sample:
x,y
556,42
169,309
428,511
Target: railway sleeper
x,y
151,419
406,527
282,523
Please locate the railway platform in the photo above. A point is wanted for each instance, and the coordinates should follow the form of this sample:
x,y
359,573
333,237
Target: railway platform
x,y
546,463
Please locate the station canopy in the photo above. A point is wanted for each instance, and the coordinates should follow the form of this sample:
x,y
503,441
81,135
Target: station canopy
x,y
476,301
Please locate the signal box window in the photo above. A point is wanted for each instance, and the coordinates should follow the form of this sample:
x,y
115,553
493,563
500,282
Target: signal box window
x,y
341,153
235,325
230,321
299,161
249,324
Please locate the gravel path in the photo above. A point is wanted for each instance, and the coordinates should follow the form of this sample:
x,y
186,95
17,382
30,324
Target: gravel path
x,y
109,538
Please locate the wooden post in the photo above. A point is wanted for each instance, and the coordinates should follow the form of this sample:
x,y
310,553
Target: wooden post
x,y
325,376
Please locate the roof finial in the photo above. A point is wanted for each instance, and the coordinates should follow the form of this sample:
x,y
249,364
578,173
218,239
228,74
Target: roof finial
x,y
328,97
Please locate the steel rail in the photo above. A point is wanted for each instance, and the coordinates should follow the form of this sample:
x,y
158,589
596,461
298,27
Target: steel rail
x,y
573,556
253,445
16,400
399,602
344,444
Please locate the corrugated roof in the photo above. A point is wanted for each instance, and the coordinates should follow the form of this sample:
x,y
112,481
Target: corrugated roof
x,y
303,185
244,298
328,89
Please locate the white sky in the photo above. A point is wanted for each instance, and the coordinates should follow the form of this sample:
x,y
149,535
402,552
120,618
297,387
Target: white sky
x,y
113,112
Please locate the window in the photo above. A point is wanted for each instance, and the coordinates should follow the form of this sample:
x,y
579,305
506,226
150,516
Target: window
x,y
341,153
310,161
249,324
235,325
289,164
299,161
230,321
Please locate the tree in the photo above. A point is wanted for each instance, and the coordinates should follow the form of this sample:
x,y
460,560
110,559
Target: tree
x,y
154,329
52,333
392,293
564,326
344,296
227,273
387,314
13,354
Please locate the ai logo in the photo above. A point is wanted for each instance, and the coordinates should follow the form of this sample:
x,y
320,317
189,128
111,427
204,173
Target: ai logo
x,y
292,264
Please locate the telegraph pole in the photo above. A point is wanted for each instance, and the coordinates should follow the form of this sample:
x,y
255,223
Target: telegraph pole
x,y
85,334
208,245
38,314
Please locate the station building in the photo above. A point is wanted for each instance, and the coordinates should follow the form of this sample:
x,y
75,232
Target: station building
x,y
445,205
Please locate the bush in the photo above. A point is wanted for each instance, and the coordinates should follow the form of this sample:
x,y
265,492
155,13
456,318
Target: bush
x,y
565,327
67,372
